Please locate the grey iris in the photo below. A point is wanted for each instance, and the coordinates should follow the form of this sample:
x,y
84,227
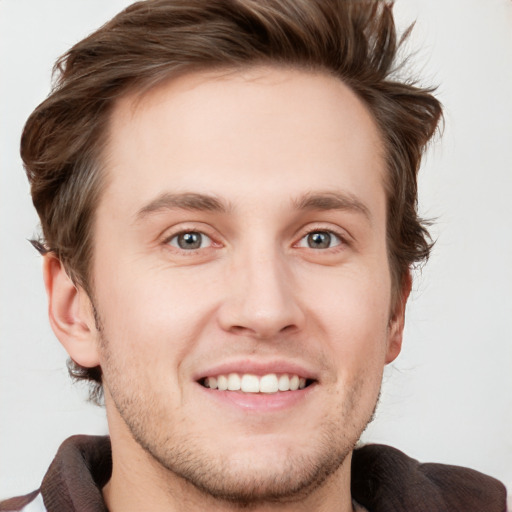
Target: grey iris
x,y
319,240
190,240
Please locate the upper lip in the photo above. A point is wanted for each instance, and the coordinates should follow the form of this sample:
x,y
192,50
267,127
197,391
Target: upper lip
x,y
257,367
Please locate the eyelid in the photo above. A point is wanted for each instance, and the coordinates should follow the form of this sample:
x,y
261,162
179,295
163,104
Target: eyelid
x,y
189,227
338,241
341,234
176,235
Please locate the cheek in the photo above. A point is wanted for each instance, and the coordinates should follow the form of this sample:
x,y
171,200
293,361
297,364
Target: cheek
x,y
153,315
354,313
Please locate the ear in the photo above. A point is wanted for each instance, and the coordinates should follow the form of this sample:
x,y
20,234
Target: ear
x,y
397,320
71,314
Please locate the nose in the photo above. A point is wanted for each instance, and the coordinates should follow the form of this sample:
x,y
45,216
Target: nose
x,y
261,298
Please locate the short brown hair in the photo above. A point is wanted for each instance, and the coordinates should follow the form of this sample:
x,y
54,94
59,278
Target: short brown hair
x,y
150,41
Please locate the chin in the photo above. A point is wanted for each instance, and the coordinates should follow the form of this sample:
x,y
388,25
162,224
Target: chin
x,y
292,481
278,471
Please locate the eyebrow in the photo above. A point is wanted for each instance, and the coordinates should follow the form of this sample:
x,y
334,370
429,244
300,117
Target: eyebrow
x,y
204,202
332,201
185,201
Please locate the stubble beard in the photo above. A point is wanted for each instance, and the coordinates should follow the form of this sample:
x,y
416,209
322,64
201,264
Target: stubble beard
x,y
212,474
296,477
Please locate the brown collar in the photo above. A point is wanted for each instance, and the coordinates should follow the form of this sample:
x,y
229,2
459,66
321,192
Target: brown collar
x,y
383,480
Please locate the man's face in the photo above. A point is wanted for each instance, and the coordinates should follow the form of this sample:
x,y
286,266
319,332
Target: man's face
x,y
242,236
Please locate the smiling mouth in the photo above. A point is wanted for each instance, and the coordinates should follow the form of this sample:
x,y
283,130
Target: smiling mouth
x,y
250,383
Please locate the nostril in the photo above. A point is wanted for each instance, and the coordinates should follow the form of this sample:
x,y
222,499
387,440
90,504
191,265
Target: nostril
x,y
289,328
262,333
238,329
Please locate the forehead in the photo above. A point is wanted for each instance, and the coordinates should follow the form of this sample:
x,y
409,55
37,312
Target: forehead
x,y
242,131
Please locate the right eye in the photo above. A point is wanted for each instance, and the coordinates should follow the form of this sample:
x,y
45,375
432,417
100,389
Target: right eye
x,y
190,240
320,239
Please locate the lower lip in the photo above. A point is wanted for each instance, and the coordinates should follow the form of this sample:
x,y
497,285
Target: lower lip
x,y
259,402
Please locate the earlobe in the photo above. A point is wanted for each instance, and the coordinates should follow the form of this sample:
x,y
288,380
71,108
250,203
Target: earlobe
x,y
70,313
397,321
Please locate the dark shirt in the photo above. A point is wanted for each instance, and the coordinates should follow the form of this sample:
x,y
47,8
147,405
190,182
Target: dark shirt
x,y
383,480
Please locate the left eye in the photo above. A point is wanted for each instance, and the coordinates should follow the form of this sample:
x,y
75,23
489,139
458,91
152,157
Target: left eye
x,y
320,240
190,240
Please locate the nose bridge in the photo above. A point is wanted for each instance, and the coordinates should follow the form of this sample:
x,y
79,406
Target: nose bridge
x,y
261,298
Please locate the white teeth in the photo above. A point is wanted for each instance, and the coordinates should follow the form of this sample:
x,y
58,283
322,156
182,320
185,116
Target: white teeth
x,y
222,382
268,384
284,383
249,383
233,382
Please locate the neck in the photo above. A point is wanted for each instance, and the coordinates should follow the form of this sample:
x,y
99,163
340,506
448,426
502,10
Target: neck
x,y
131,489
139,482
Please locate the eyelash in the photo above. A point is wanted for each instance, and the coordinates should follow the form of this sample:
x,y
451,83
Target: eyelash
x,y
168,240
318,229
341,240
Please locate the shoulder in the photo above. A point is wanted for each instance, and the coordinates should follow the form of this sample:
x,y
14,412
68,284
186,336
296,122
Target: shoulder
x,y
384,478
76,476
31,502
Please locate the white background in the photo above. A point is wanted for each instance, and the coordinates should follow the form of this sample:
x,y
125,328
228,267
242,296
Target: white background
x,y
448,398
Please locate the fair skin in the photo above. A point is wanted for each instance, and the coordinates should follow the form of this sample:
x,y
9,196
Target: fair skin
x,y
242,230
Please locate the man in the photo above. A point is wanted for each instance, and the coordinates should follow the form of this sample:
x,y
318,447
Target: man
x,y
227,193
